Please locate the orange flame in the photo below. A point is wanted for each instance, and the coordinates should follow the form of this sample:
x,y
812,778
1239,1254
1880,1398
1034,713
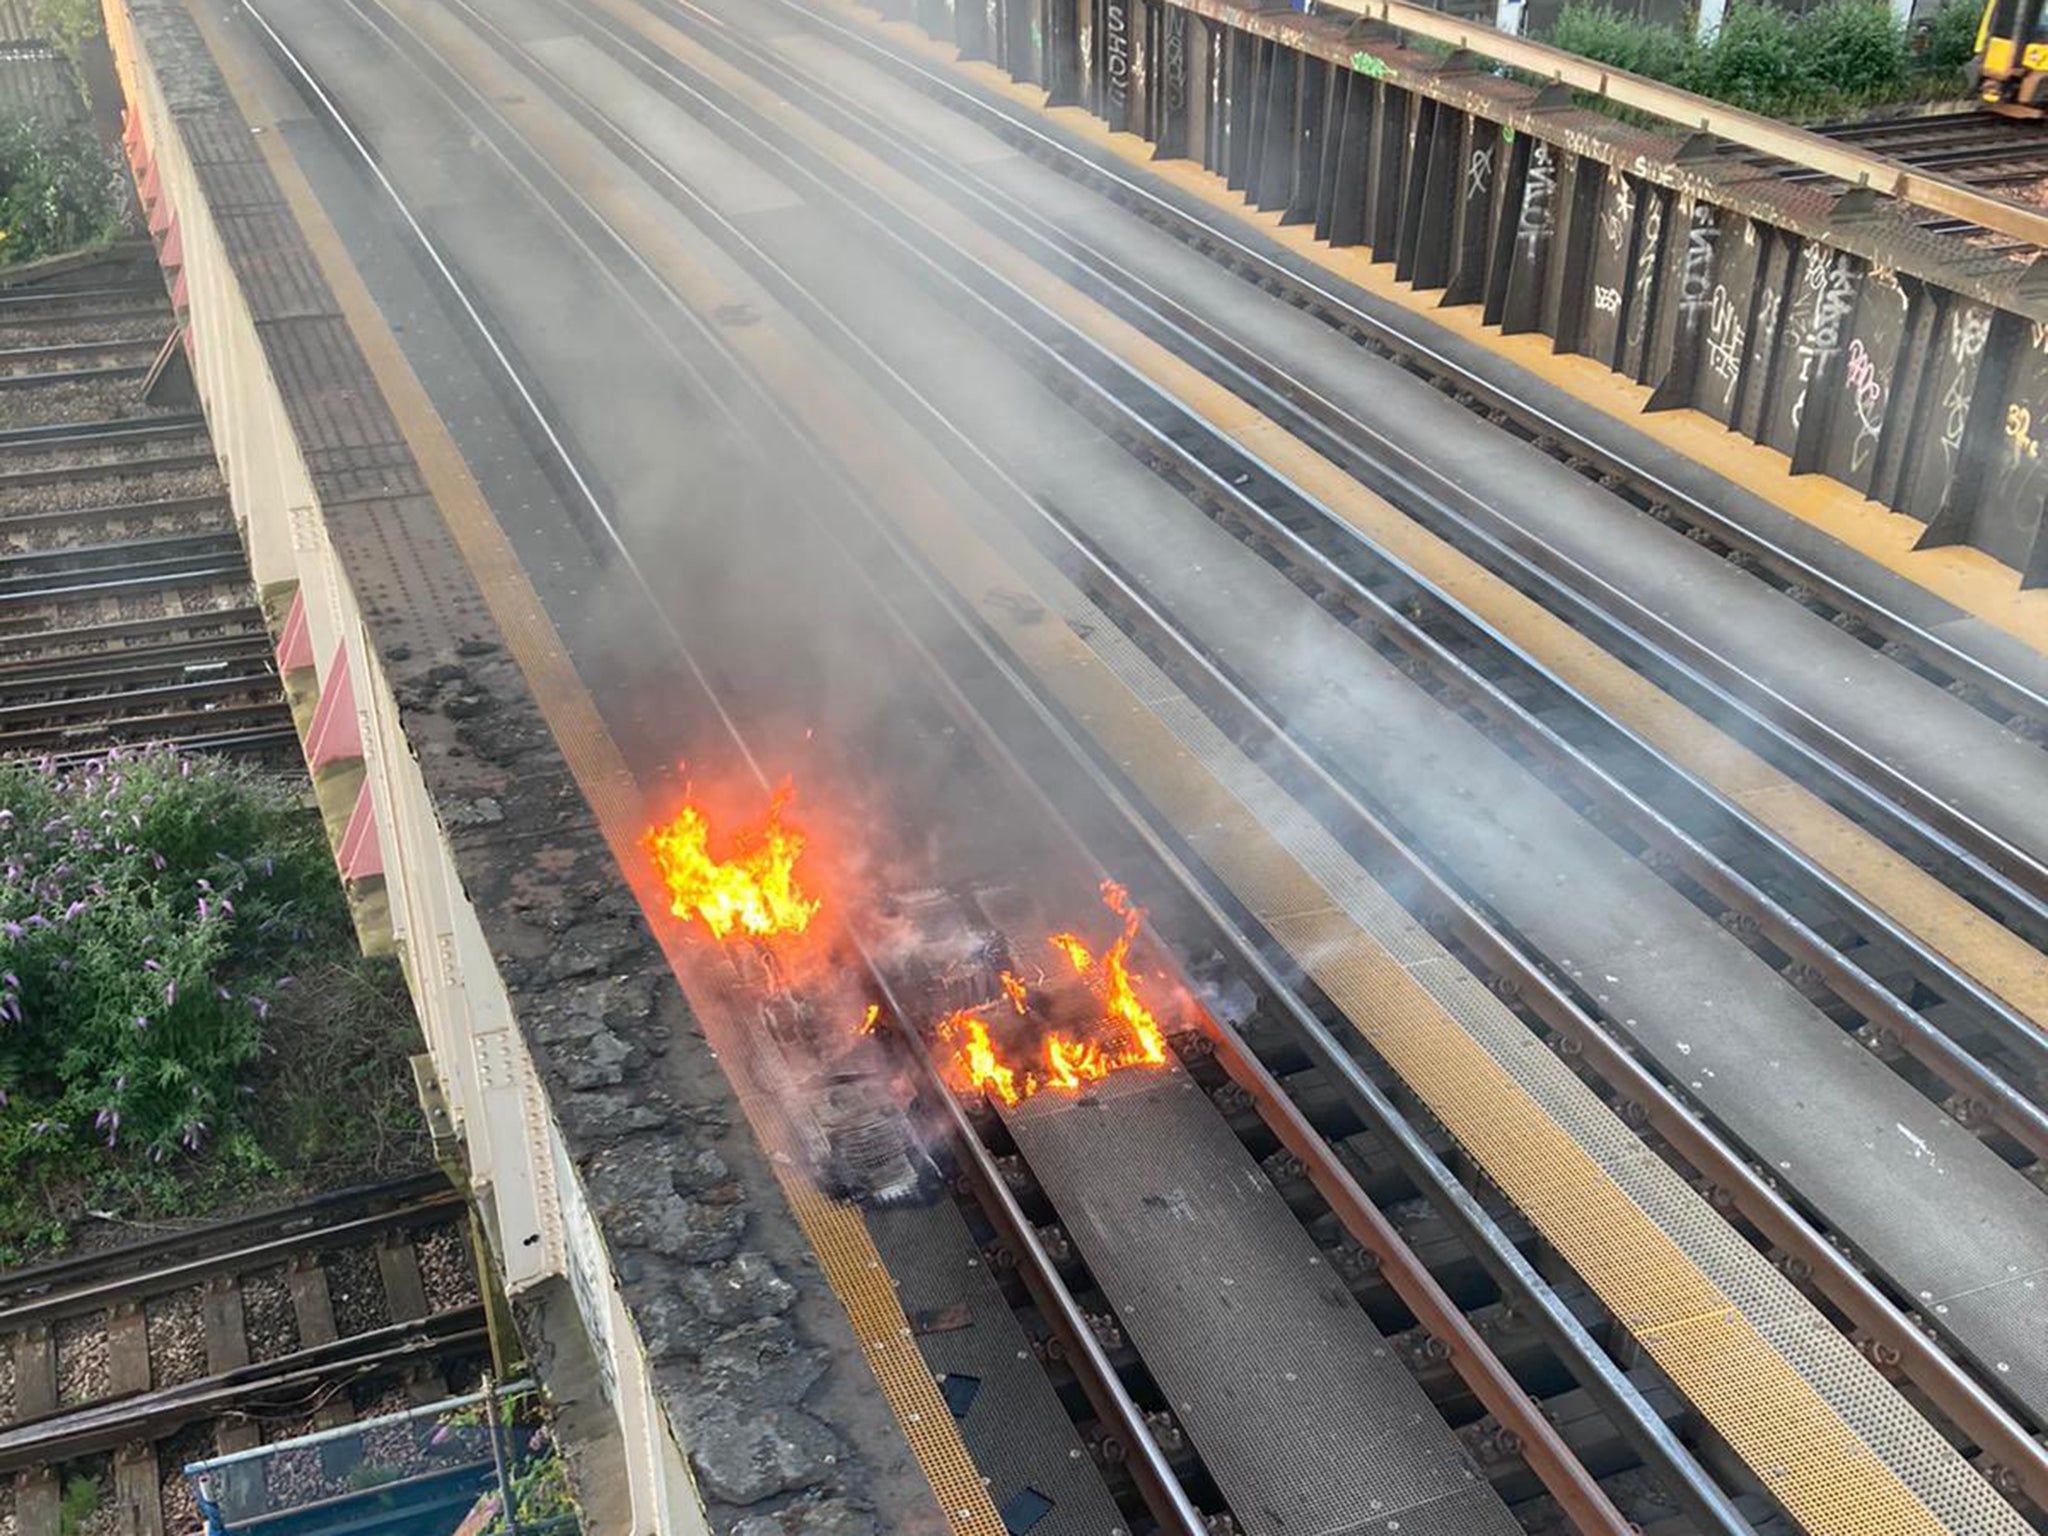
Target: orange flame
x,y
976,1061
871,1018
752,890
1014,990
1076,952
1069,1062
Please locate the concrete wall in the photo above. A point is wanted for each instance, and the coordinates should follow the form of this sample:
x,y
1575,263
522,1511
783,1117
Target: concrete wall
x,y
519,1165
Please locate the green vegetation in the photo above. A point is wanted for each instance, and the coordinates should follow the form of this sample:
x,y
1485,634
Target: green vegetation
x,y
76,1506
185,1022
58,191
1843,55
66,25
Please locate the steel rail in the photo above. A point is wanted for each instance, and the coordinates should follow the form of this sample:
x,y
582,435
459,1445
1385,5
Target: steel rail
x,y
242,619
47,436
89,1290
1317,291
1266,387
169,506
1871,782
151,575
77,1269
108,469
1957,1394
90,1428
257,739
1160,1487
1562,1474
1588,1364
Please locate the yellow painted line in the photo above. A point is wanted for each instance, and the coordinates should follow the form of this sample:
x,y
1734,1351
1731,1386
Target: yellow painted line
x,y
1997,958
1974,581
838,1232
1808,1456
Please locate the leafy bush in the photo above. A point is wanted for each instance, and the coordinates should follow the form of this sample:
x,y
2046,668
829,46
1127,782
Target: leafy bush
x,y
1852,46
1754,59
58,191
1951,40
152,909
1834,58
1629,42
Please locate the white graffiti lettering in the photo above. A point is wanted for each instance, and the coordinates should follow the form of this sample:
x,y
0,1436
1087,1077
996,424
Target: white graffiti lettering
x,y
1606,300
1724,343
1702,235
1620,214
1539,189
1866,397
1478,173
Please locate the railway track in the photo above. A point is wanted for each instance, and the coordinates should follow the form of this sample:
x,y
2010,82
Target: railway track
x,y
122,1364
124,591
1977,148
1288,1064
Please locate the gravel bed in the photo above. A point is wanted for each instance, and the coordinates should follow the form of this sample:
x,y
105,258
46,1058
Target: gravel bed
x,y
293,1477
174,1495
267,1315
24,458
447,1271
8,1524
6,1382
81,1360
141,484
177,1339
356,1287
152,327
395,1447
112,528
74,400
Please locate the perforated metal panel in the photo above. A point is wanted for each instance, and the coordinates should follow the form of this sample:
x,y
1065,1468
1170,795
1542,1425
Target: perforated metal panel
x,y
1824,1431
1306,1417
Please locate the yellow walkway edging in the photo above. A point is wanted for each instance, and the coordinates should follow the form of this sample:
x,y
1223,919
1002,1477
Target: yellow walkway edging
x,y
838,1232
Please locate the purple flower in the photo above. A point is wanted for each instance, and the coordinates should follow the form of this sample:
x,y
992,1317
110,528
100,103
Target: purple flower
x,y
206,887
262,1008
171,993
203,913
141,1022
121,1083
3,1098
227,908
13,930
157,859
11,979
224,994
286,981
151,965
73,910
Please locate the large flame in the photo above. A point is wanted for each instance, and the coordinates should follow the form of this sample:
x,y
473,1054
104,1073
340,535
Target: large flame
x,y
752,890
1131,1036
